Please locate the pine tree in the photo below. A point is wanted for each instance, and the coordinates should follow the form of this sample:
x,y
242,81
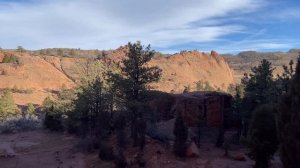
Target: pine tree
x,y
289,123
284,80
263,141
91,108
259,89
181,134
136,69
138,74
7,105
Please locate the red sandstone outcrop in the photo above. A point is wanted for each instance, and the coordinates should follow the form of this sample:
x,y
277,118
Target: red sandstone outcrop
x,y
44,73
207,105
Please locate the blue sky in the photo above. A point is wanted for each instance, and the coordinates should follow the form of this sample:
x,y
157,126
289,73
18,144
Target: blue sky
x,y
227,26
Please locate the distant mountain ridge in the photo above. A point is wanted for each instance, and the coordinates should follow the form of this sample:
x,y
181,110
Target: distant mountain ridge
x,y
242,62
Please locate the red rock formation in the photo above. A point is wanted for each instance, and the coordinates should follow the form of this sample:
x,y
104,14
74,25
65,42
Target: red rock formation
x,y
209,105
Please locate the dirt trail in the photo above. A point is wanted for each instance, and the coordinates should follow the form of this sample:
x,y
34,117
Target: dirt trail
x,y
40,149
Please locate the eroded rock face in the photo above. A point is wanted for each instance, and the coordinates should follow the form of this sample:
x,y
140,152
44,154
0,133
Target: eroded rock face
x,y
42,73
185,69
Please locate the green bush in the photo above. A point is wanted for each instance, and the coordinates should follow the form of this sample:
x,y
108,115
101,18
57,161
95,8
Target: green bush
x,y
10,59
53,119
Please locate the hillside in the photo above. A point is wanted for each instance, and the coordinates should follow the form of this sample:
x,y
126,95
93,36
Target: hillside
x,y
242,62
40,75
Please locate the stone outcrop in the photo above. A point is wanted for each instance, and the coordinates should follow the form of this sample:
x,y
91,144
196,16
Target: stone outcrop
x,y
209,105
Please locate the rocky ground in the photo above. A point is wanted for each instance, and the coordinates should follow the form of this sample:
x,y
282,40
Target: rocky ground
x,y
42,149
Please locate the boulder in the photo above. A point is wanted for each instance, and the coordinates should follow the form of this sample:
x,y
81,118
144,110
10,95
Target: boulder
x,y
192,150
239,157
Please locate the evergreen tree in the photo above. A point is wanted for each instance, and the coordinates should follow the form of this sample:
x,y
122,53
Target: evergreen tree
x,y
91,109
259,89
181,134
30,110
289,123
138,74
136,69
8,107
20,49
263,141
283,81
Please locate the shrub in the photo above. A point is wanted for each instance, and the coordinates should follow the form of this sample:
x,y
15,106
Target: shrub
x,y
263,140
15,89
53,119
30,110
10,59
105,151
17,124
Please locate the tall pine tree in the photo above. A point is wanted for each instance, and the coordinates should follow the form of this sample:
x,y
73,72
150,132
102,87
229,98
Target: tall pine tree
x,y
137,75
289,123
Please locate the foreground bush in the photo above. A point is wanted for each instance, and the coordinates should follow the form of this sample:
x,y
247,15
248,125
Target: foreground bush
x,y
18,124
53,121
263,140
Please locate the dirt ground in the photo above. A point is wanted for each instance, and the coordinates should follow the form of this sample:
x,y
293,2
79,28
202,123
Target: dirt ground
x,y
42,149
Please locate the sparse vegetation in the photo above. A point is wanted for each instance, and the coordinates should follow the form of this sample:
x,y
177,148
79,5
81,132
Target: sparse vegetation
x,y
204,86
15,89
10,59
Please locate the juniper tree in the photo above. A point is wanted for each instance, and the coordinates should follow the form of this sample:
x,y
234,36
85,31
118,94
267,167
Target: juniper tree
x,y
263,141
289,123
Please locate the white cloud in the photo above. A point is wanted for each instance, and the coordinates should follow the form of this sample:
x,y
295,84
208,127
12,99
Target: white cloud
x,y
109,24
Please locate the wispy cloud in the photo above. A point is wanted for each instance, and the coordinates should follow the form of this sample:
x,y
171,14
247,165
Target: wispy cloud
x,y
260,45
109,24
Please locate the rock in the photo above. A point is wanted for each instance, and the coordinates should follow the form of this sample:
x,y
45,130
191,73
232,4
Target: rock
x,y
214,54
192,150
6,151
239,157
